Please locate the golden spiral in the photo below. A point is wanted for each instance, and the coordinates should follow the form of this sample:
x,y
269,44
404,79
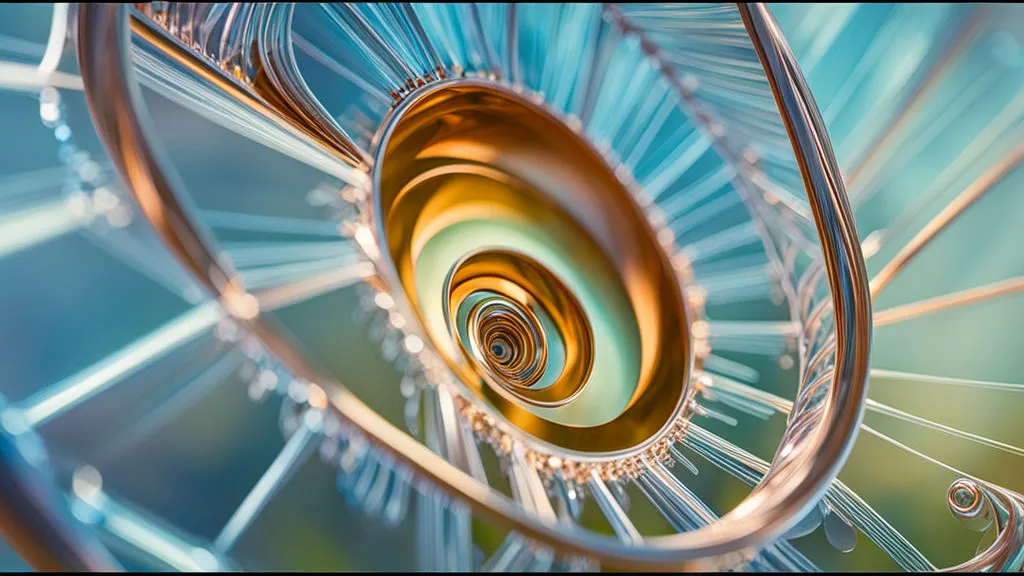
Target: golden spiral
x,y
532,268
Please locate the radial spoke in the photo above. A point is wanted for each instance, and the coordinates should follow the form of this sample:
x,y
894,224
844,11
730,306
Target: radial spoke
x,y
512,42
649,118
270,224
255,254
681,507
178,74
22,230
668,105
779,194
731,369
899,158
25,189
706,212
825,36
445,528
683,461
954,300
744,466
928,379
917,453
685,511
375,492
968,34
291,457
879,408
947,216
743,398
139,532
385,60
676,163
749,469
515,553
600,52
338,68
722,242
270,276
726,265
373,482
875,51
876,528
490,59
685,200
72,391
198,387
148,259
527,486
753,337
739,285
21,47
297,291
768,400
616,516
969,157
509,556
421,38
28,78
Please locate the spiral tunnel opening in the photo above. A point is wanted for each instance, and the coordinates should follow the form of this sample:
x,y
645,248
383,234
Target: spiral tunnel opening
x,y
532,270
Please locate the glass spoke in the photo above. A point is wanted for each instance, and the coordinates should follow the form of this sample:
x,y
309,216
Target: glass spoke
x,y
27,228
752,337
138,531
20,77
237,221
956,299
995,174
140,250
722,242
616,516
968,34
190,394
929,379
880,408
295,451
70,392
749,469
176,73
296,291
1004,128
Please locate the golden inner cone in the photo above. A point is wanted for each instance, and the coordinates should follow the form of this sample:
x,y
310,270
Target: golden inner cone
x,y
524,331
508,340
532,270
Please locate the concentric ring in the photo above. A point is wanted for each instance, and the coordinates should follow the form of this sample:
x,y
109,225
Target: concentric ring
x,y
520,326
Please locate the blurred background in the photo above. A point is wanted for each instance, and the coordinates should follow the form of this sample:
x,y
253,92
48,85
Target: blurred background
x,y
66,302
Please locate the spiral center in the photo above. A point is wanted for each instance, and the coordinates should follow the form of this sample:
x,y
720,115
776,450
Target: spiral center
x,y
508,340
519,327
